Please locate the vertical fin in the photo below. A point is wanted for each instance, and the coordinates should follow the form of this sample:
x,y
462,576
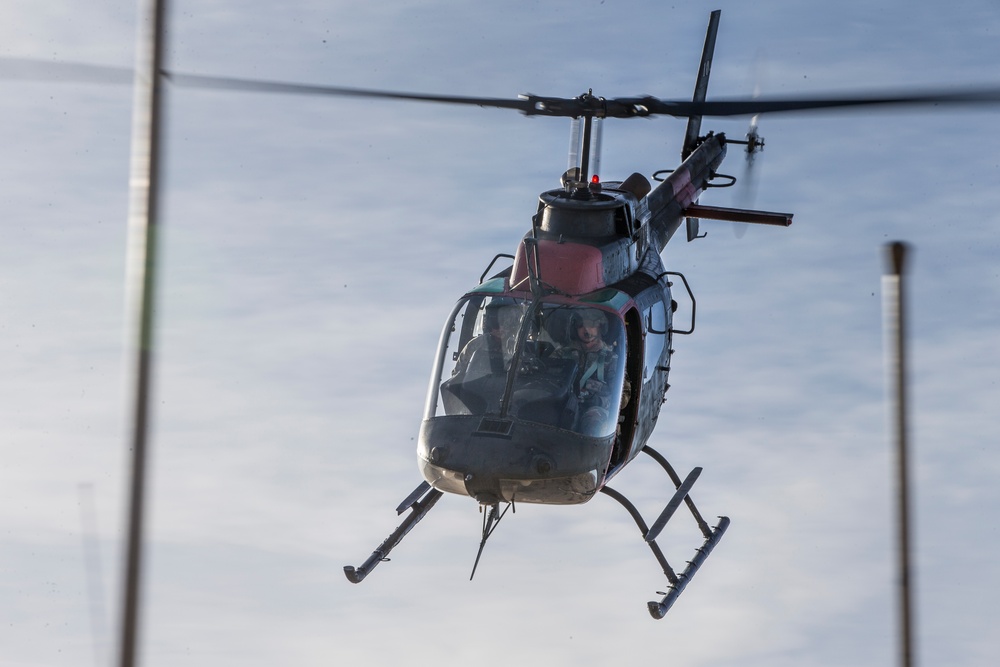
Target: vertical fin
x,y
701,85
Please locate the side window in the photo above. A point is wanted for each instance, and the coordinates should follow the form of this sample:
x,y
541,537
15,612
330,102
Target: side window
x,y
656,338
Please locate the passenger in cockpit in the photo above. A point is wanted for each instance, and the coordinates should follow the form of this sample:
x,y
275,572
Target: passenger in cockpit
x,y
597,362
491,351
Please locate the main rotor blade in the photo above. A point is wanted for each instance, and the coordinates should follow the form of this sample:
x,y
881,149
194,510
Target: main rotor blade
x,y
29,69
253,85
584,105
753,106
622,107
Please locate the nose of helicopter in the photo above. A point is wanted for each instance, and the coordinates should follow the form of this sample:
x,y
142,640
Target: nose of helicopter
x,y
493,460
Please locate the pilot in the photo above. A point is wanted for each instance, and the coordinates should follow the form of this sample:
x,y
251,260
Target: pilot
x,y
596,366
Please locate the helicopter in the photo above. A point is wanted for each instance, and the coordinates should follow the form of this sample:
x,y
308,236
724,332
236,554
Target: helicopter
x,y
550,375
509,416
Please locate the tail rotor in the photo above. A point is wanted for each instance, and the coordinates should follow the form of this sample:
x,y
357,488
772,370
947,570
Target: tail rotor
x,y
746,195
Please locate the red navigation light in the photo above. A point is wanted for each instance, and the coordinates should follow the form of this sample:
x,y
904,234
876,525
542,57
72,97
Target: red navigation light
x,y
595,179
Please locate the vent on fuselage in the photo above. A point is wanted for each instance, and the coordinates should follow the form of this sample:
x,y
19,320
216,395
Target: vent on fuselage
x,y
492,426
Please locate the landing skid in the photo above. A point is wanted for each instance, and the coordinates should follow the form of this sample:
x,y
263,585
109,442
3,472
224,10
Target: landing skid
x,y
419,502
423,498
712,535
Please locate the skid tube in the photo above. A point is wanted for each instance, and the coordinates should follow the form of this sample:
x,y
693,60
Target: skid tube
x,y
420,502
712,535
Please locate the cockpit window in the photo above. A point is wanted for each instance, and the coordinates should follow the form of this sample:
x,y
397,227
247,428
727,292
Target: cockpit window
x,y
549,363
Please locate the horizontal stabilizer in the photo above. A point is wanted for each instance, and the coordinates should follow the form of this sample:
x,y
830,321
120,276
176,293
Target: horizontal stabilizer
x,y
739,215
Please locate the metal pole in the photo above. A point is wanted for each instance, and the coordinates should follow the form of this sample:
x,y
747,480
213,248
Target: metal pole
x,y
588,123
894,303
141,284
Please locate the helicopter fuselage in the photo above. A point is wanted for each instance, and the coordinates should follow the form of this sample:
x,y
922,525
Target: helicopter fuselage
x,y
520,426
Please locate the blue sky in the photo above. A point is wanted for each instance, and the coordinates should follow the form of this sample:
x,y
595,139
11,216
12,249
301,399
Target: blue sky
x,y
312,250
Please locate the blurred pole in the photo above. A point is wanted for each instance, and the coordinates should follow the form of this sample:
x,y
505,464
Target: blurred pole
x,y
141,290
894,304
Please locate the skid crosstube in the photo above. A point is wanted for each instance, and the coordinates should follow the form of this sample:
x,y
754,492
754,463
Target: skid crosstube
x,y
712,535
420,501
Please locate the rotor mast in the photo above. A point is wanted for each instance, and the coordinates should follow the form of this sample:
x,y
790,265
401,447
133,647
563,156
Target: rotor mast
x,y
585,144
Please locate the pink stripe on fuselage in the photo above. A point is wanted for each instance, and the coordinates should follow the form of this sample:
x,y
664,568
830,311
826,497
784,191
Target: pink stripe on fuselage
x,y
573,268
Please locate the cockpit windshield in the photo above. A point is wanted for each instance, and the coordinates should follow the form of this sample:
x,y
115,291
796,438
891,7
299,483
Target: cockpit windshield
x,y
545,362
